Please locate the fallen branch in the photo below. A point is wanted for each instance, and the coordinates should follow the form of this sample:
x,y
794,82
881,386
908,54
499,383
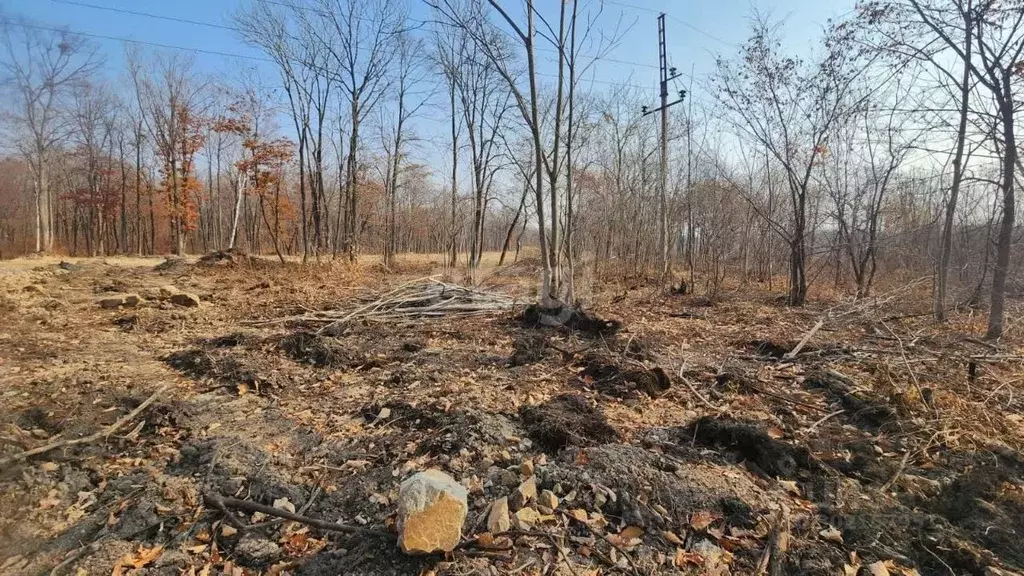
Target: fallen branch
x,y
803,341
699,396
819,422
220,503
773,561
86,439
422,298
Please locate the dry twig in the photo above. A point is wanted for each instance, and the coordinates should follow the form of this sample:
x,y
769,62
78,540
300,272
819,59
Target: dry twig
x,y
86,439
221,503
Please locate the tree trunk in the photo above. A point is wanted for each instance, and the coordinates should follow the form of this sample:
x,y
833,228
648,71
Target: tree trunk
x,y
1005,240
939,309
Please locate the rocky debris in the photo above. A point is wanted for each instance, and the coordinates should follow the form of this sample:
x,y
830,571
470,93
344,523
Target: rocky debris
x,y
167,290
524,494
119,300
497,518
111,303
503,477
713,557
432,508
255,550
548,499
186,299
526,468
526,517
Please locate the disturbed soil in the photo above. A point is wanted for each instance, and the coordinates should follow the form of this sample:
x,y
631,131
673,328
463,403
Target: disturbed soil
x,y
679,437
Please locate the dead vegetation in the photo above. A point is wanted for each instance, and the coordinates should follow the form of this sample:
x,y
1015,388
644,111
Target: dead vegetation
x,y
668,444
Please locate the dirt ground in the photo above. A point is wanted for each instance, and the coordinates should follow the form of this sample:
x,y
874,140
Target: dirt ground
x,y
679,439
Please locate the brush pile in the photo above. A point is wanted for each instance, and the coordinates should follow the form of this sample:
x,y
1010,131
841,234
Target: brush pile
x,y
423,298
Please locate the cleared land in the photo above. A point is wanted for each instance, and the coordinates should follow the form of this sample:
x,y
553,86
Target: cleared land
x,y
673,443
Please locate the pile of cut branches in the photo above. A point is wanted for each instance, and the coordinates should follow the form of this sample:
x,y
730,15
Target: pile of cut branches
x,y
423,298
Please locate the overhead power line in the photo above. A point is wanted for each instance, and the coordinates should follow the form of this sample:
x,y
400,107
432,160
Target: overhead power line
x,y
671,17
263,58
236,29
243,56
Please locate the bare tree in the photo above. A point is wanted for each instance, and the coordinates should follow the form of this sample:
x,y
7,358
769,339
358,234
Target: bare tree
x,y
789,108
41,68
360,36
411,72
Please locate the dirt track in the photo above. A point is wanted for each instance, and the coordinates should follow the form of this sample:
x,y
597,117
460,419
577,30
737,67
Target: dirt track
x,y
667,481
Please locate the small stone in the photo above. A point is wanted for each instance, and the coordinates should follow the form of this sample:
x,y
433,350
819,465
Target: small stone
x,y
528,517
432,507
167,291
526,492
175,558
712,554
497,518
111,302
542,460
548,499
526,468
185,299
506,478
132,300
254,550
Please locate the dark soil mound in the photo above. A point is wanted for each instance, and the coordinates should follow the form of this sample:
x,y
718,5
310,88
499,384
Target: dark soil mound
x,y
312,348
172,266
566,420
601,372
858,405
223,257
528,348
987,503
775,458
570,318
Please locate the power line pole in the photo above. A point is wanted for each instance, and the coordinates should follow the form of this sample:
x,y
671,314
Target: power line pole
x,y
666,74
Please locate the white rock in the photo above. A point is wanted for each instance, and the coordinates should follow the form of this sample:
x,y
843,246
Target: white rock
x,y
431,511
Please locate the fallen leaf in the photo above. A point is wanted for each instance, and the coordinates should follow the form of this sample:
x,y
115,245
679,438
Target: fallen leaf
x,y
672,538
701,520
145,556
878,569
790,486
49,466
684,558
631,532
227,530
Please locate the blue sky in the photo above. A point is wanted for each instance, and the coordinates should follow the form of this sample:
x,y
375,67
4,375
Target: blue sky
x,y
697,31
